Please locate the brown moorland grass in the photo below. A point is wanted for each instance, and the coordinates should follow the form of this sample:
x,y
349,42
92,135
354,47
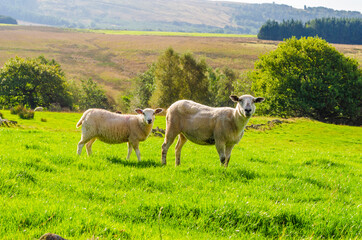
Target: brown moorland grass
x,y
113,60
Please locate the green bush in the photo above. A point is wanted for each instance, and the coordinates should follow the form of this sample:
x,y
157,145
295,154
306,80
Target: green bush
x,y
309,77
26,114
22,112
33,82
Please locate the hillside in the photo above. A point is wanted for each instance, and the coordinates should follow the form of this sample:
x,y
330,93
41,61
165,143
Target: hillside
x,y
113,60
164,15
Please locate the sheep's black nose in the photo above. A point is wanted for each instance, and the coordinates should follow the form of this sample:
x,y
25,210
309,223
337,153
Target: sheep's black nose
x,y
247,111
149,121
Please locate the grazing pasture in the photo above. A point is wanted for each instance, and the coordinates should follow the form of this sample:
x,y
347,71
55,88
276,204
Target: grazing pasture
x,y
298,179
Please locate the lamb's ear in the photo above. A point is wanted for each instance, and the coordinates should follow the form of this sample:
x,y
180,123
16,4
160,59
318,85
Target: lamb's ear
x,y
259,99
139,111
158,110
234,98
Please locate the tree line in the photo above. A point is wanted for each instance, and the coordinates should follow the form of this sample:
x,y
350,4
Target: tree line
x,y
333,30
303,77
7,20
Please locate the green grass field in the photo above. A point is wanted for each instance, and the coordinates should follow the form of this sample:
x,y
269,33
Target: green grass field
x,y
297,180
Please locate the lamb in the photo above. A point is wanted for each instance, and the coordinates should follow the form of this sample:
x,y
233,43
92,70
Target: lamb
x,y
204,125
38,109
116,128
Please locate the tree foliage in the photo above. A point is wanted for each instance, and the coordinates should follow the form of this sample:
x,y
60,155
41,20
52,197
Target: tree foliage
x,y
179,77
93,96
33,82
146,86
334,30
309,77
7,20
221,86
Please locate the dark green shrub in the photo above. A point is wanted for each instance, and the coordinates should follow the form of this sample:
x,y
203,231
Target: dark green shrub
x,y
309,77
33,82
22,112
26,114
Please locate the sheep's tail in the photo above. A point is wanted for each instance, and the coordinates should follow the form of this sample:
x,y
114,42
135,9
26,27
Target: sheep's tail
x,y
80,122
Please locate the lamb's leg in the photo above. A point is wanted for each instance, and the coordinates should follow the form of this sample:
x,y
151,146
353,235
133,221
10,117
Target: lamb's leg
x,y
129,150
136,149
180,142
220,147
228,150
89,146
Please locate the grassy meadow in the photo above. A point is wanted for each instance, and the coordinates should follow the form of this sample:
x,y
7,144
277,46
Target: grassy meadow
x,y
297,180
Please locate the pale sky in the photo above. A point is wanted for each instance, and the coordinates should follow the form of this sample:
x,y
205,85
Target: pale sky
x,y
351,5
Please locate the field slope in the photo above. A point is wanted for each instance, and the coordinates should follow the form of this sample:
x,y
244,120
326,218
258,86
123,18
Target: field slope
x,y
113,60
299,179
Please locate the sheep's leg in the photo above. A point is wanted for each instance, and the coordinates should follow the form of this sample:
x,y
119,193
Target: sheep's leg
x,y
129,150
80,146
228,150
180,142
81,143
169,138
220,147
89,146
137,150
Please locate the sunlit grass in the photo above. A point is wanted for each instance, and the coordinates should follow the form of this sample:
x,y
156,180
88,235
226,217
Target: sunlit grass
x,y
297,180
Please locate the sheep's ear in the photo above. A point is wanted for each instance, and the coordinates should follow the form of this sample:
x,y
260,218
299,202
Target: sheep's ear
x,y
139,111
259,99
158,110
234,98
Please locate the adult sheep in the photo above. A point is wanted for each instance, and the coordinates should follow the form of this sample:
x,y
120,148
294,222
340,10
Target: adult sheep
x,y
116,128
222,126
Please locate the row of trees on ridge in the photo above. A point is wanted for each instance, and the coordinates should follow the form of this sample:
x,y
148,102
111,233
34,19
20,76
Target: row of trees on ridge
x,y
333,30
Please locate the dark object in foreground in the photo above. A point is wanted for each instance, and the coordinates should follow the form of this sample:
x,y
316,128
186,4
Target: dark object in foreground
x,y
51,236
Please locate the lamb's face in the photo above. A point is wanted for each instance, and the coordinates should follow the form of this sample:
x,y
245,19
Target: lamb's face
x,y
246,104
148,114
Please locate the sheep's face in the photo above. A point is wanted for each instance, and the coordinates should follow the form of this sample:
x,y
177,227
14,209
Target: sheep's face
x,y
246,104
148,114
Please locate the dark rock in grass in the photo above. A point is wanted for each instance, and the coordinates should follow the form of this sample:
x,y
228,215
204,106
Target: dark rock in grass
x,y
275,121
269,124
51,236
7,123
158,132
